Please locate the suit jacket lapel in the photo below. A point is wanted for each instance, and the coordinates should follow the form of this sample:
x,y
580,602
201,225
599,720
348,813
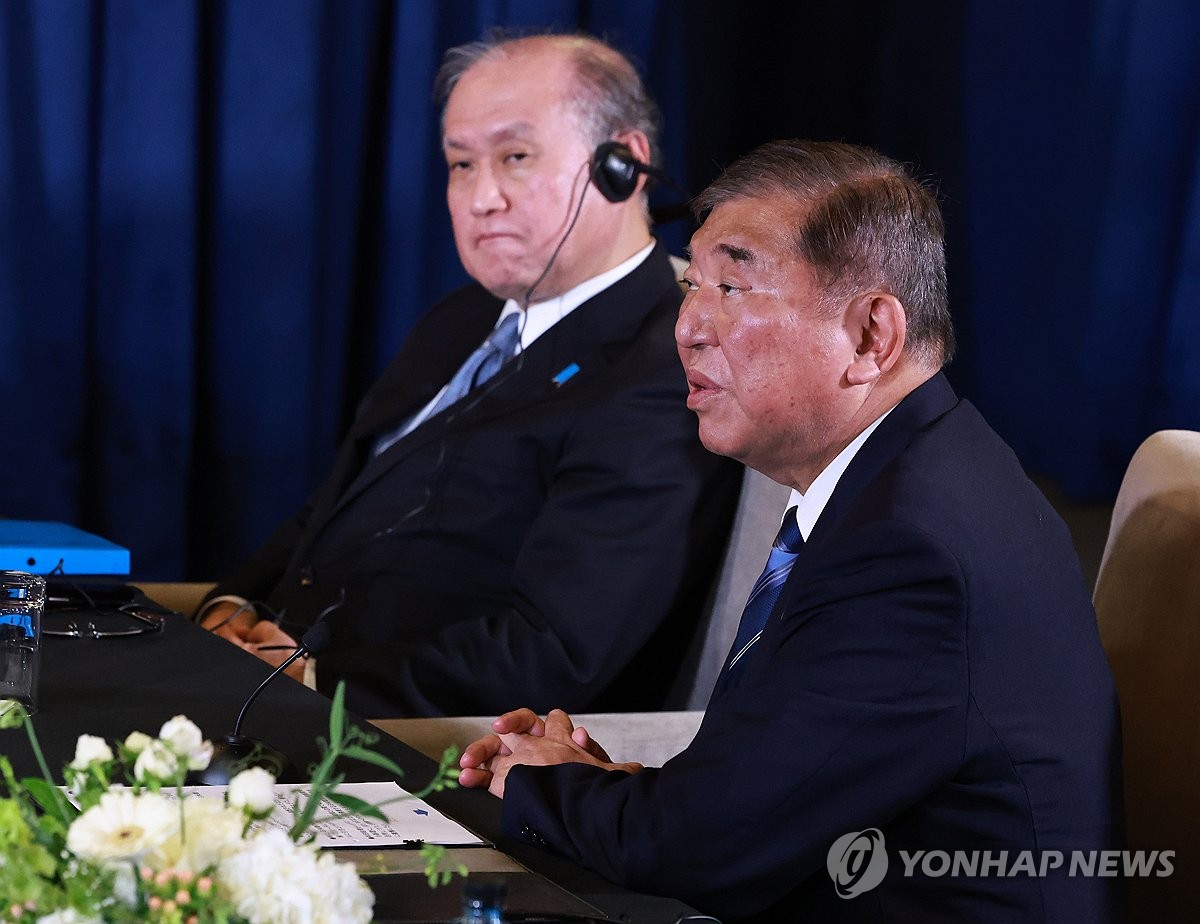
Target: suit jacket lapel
x,y
609,319
919,409
418,371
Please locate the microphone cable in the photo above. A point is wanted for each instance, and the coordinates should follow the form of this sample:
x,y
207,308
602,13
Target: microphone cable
x,y
507,371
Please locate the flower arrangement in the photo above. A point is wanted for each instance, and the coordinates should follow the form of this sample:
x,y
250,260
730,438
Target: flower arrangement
x,y
144,851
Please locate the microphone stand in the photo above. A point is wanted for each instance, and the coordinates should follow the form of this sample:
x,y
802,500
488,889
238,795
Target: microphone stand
x,y
235,752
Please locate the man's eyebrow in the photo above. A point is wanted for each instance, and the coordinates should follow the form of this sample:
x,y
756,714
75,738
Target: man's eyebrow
x,y
517,130
738,254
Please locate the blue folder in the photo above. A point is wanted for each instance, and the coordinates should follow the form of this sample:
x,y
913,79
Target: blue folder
x,y
38,546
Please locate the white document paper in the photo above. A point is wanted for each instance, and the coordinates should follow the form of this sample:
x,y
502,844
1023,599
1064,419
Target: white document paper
x,y
410,820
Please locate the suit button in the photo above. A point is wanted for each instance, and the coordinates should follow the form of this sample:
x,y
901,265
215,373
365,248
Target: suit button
x,y
306,577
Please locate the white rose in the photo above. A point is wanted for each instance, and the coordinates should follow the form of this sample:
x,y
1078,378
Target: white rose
x,y
137,742
91,750
156,760
253,790
199,758
185,739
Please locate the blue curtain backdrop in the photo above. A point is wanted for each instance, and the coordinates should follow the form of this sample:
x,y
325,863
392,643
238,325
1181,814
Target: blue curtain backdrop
x,y
219,219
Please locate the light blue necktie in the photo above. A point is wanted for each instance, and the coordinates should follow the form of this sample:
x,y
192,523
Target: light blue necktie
x,y
480,366
765,592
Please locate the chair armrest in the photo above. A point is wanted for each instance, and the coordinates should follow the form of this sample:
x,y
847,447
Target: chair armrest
x,y
183,597
650,738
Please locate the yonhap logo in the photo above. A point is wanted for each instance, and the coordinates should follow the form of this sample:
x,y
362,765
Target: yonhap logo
x,y
857,862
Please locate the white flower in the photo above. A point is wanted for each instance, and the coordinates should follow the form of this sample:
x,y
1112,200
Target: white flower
x,y
137,742
211,831
273,881
67,916
122,826
156,760
125,883
185,739
91,750
253,790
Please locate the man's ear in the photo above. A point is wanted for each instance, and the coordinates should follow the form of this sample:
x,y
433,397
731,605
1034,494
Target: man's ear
x,y
638,144
878,324
639,147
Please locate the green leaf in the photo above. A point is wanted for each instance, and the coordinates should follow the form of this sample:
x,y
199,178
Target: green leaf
x,y
357,805
437,872
371,757
50,798
337,714
12,714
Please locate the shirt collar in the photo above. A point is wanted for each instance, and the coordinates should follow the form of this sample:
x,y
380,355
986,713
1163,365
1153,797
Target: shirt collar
x,y
541,316
810,505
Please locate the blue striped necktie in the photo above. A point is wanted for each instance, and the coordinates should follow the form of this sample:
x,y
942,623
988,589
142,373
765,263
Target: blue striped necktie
x,y
480,366
766,591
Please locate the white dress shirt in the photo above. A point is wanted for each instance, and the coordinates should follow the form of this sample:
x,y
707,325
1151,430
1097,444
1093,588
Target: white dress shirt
x,y
539,318
810,505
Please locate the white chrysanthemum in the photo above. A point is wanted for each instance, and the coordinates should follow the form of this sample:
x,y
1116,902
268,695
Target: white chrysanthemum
x,y
137,742
273,881
211,831
122,826
156,760
68,916
184,738
89,750
253,790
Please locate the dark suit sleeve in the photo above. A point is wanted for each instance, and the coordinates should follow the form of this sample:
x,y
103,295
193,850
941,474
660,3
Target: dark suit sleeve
x,y
852,711
634,513
257,576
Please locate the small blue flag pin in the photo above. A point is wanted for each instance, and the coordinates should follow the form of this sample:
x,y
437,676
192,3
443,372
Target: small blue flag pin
x,y
566,373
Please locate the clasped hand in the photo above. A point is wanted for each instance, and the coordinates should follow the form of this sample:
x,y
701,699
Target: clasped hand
x,y
261,637
521,737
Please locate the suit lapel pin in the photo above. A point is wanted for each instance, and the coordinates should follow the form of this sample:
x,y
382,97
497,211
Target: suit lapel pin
x,y
567,372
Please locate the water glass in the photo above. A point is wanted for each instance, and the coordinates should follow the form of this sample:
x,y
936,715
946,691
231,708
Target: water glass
x,y
22,597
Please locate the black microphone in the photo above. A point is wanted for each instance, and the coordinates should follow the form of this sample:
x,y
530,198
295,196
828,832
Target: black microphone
x,y
231,752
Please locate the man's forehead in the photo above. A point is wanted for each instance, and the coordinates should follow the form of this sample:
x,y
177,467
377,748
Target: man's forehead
x,y
746,231
733,244
463,137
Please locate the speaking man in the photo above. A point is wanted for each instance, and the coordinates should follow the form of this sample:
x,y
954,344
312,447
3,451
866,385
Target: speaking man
x,y
919,662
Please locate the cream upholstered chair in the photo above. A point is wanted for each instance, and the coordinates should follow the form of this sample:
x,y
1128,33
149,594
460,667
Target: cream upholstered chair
x,y
1148,604
182,597
759,510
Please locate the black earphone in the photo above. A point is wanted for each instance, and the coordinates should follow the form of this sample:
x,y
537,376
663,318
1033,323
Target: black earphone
x,y
615,171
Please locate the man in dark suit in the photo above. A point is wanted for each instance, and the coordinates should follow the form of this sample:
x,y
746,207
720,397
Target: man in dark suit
x,y
521,510
929,677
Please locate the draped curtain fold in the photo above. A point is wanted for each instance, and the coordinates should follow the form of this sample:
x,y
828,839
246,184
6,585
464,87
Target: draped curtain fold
x,y
218,220
1082,173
